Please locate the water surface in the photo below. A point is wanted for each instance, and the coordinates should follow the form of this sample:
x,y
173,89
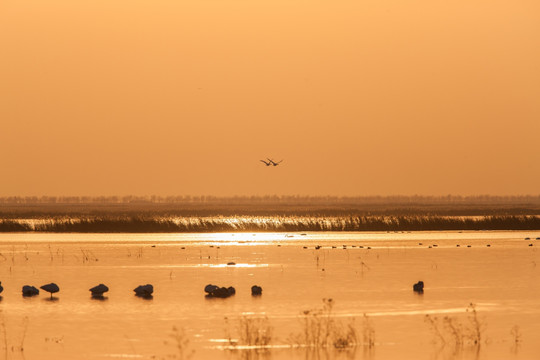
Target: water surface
x,y
364,273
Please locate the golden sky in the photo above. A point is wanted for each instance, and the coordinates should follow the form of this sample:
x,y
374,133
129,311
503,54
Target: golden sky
x,y
359,97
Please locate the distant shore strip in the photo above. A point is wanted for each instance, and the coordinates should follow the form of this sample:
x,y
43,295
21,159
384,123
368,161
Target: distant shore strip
x,y
140,224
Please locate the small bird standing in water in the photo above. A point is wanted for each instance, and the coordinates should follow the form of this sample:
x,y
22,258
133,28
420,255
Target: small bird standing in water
x,y
51,288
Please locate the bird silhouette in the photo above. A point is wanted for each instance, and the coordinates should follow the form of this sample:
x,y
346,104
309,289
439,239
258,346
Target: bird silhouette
x,y
98,290
267,163
144,290
256,290
51,288
275,163
28,290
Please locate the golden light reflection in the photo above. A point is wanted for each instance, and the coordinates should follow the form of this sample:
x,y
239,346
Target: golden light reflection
x,y
235,266
245,238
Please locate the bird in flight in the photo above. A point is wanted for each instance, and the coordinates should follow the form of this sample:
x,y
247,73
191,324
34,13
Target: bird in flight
x,y
274,163
267,163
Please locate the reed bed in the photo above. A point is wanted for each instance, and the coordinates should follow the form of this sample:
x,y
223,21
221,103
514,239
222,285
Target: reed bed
x,y
151,224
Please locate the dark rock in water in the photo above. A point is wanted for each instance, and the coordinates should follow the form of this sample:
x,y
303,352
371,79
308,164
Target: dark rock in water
x,y
50,288
231,290
210,288
28,290
419,287
99,290
144,290
231,263
256,290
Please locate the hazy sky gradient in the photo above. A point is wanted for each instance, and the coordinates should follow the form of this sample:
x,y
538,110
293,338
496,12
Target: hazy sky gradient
x,y
360,97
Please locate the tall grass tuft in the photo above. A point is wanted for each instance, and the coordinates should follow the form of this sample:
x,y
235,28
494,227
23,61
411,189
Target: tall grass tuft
x,y
368,332
516,338
181,343
251,333
457,332
6,344
321,329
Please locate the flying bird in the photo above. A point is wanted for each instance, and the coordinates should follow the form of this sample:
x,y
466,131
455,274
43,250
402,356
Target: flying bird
x,y
275,163
267,163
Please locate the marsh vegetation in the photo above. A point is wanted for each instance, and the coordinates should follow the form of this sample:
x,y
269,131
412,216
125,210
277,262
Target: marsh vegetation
x,y
269,213
140,224
456,332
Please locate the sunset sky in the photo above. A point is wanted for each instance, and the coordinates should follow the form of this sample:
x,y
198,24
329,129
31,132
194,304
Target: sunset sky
x,y
359,97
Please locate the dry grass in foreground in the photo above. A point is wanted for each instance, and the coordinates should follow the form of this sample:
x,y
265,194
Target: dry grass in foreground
x,y
458,333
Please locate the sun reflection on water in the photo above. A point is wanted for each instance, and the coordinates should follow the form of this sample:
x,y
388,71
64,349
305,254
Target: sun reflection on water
x,y
241,238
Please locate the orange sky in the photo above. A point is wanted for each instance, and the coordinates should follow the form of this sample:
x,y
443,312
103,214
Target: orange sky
x,y
360,97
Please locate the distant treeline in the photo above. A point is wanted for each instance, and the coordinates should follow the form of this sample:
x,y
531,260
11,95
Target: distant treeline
x,y
205,206
272,224
272,199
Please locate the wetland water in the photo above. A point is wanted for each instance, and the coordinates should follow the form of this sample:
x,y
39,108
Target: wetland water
x,y
373,275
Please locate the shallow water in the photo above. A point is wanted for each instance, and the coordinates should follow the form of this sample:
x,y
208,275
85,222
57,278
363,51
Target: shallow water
x,y
501,280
